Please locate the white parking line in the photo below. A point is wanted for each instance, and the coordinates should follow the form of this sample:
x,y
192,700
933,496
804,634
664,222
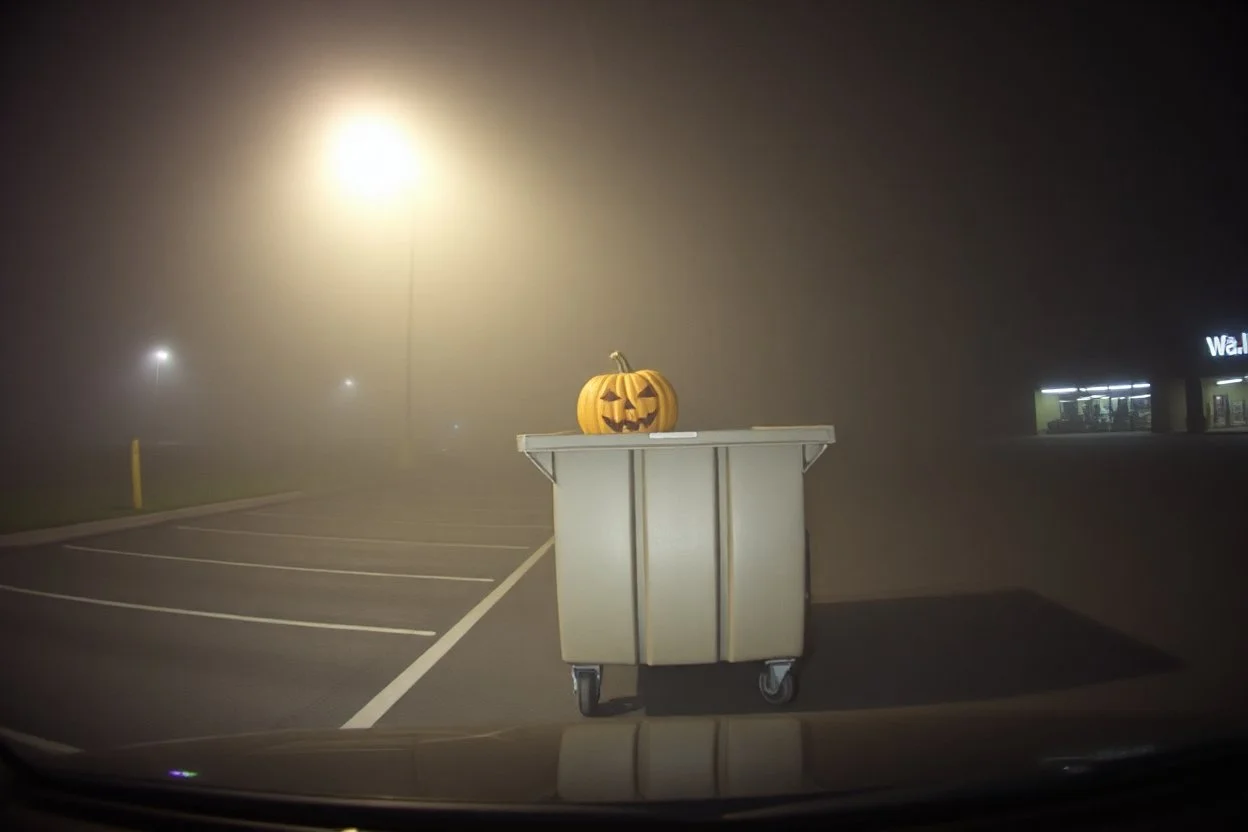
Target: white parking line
x,y
477,509
377,707
446,524
383,540
319,625
276,566
402,522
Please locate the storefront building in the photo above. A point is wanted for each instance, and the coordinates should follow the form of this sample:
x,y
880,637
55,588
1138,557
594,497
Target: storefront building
x,y
1198,384
1108,406
1224,386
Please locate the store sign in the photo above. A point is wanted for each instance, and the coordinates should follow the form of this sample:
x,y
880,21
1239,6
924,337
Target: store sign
x,y
1223,346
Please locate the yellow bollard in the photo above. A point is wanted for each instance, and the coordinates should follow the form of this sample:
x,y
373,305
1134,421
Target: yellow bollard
x,y
136,476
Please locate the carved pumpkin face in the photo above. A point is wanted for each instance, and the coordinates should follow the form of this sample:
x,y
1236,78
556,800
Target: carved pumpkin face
x,y
627,401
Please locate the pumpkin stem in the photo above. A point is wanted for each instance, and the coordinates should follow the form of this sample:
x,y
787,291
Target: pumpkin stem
x,y
621,362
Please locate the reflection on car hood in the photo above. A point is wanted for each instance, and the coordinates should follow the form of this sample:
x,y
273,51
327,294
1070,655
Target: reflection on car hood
x,y
632,760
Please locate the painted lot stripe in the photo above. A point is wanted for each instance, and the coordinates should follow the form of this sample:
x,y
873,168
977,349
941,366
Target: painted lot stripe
x,y
446,524
485,510
478,509
401,522
275,566
383,540
318,625
377,707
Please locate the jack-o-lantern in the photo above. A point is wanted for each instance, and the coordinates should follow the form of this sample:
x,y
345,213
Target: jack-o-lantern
x,y
628,401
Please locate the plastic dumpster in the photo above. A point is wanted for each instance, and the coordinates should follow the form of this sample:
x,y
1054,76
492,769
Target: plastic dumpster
x,y
680,548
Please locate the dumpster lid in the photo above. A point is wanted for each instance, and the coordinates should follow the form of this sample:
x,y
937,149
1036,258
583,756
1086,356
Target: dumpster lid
x,y
574,441
540,446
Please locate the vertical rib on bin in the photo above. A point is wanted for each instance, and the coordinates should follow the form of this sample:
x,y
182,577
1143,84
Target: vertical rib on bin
x,y
680,612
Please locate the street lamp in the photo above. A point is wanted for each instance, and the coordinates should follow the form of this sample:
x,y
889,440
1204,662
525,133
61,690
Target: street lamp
x,y
161,357
374,159
348,383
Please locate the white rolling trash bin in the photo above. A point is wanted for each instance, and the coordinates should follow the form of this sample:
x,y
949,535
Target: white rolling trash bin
x,y
681,548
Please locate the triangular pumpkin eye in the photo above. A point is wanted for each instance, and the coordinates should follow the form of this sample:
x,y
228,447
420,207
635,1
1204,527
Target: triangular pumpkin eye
x,y
648,393
610,396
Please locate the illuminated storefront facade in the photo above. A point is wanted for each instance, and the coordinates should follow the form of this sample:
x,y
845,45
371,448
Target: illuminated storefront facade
x,y
1108,406
1224,382
1199,384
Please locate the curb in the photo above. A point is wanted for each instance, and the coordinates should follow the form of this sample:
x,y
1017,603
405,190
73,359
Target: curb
x,y
36,537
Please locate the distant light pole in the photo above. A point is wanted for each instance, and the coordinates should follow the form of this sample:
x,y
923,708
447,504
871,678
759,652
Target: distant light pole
x,y
161,356
348,383
374,158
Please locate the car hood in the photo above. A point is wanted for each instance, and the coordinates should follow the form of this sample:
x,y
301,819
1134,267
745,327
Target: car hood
x,y
640,760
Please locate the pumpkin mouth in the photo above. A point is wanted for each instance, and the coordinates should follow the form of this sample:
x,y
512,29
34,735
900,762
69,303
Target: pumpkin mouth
x,y
627,425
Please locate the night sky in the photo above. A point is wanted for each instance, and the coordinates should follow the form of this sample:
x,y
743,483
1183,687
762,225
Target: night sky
x,y
876,214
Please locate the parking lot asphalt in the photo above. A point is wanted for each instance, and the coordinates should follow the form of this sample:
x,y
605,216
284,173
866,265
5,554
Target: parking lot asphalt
x,y
293,616
432,604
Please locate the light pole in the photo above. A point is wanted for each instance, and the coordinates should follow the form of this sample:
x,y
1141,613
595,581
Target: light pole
x,y
405,457
374,158
160,356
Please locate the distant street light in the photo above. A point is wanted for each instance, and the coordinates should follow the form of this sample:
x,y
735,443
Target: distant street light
x,y
374,158
348,383
161,357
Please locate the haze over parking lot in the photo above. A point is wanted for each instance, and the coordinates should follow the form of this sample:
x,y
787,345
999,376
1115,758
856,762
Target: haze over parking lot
x,y
345,254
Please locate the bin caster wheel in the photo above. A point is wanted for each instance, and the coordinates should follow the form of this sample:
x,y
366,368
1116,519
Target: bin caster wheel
x,y
776,693
588,684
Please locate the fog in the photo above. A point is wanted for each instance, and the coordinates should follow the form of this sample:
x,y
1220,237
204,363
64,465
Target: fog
x,y
881,218
283,280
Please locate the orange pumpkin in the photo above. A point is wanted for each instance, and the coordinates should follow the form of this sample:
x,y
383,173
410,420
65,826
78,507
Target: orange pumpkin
x,y
627,401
